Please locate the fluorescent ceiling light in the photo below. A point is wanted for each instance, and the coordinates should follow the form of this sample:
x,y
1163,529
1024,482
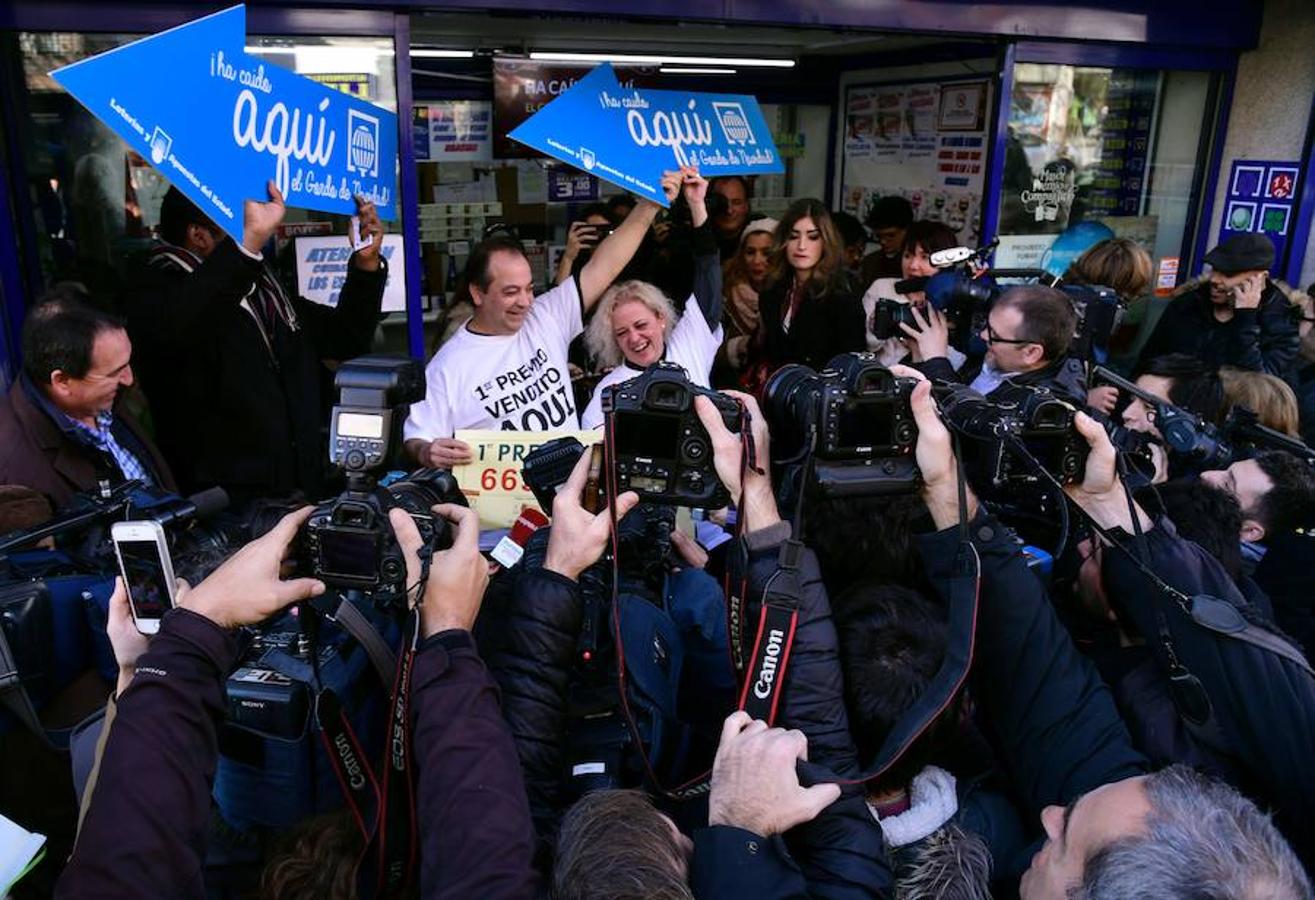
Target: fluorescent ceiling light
x,y
696,71
748,61
435,53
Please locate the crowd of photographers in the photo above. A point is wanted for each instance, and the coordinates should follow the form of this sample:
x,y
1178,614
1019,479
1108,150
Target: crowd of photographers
x,y
985,593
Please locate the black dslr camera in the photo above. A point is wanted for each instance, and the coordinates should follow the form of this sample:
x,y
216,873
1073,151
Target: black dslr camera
x,y
659,448
348,541
853,418
1026,424
888,315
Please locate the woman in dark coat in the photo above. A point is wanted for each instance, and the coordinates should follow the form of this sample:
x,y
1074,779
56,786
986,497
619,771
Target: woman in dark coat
x,y
810,309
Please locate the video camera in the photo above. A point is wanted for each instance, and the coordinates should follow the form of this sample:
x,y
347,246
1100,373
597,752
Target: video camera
x,y
659,447
1201,443
81,531
850,424
965,301
348,541
1028,426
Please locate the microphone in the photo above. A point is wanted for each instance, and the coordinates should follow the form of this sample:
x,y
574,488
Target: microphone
x,y
911,285
511,547
208,502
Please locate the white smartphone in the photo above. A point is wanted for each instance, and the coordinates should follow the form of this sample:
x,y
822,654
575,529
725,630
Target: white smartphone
x,y
147,571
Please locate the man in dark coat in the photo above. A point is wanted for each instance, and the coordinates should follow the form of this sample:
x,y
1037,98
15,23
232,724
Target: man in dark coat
x,y
62,430
1028,332
232,366
1237,317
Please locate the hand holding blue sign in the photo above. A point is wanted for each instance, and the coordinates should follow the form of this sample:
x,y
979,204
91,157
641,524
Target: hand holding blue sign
x,y
320,147
261,219
629,137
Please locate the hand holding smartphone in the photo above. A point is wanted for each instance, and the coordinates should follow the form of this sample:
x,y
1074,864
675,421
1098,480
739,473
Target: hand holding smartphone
x,y
147,571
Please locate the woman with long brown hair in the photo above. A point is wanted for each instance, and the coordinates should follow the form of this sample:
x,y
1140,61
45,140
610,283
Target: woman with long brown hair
x,y
810,309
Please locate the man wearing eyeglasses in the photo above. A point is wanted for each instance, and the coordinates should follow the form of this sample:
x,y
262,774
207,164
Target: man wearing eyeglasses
x,y
1027,335
506,368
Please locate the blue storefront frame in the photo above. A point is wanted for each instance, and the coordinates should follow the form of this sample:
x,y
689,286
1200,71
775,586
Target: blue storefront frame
x,y
1208,38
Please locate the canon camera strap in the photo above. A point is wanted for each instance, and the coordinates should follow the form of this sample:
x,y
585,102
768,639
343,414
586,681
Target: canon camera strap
x,y
760,694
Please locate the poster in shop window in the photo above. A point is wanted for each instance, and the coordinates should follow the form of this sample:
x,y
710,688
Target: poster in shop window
x,y
454,131
900,140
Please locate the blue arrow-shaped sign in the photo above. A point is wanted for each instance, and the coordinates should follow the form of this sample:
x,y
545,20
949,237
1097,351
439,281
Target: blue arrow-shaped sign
x,y
219,123
629,137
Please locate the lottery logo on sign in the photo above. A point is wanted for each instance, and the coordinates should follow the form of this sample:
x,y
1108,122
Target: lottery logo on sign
x,y
734,123
363,156
587,158
160,144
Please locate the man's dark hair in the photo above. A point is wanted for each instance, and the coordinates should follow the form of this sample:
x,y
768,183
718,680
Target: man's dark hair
x,y
1208,516
1290,504
59,334
1048,317
1196,387
176,213
596,209
477,266
726,179
614,205
892,643
932,237
850,228
890,212
864,539
614,845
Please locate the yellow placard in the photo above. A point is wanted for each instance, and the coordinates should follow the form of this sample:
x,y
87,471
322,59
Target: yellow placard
x,y
492,480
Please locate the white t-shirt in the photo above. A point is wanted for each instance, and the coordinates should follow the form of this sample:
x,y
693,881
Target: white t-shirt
x,y
691,346
515,382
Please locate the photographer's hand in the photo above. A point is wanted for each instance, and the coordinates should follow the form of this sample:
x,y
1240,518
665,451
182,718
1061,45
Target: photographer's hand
x,y
578,537
1102,494
247,588
931,337
457,576
754,783
754,499
128,643
1103,398
935,455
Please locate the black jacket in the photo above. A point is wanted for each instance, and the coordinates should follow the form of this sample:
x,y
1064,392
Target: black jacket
x,y
232,410
1290,586
1051,717
821,327
1263,703
1064,377
1262,340
841,853
528,633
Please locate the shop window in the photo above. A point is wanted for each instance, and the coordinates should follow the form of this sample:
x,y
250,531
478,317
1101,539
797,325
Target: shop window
x,y
96,202
1117,147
